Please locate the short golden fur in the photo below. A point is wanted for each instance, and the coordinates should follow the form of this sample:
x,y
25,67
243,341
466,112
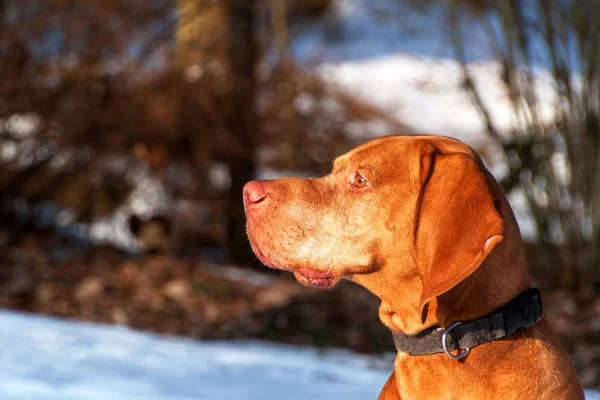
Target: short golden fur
x,y
421,223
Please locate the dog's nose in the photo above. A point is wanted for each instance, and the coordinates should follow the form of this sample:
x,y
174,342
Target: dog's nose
x,y
254,193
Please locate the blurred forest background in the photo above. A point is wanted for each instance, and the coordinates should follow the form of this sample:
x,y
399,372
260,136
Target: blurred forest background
x,y
128,128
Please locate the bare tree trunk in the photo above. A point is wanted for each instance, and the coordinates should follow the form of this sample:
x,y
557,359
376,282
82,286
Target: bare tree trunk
x,y
243,56
217,51
285,89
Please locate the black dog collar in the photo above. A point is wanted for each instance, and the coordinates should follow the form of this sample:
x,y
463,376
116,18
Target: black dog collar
x,y
520,313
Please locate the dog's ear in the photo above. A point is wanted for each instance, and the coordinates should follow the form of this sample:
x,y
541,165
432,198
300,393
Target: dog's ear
x,y
457,223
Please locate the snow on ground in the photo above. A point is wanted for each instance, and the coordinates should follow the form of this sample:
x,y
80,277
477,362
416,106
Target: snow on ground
x,y
51,359
425,93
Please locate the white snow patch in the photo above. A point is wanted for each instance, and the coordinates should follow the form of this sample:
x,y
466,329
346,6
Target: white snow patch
x,y
427,95
50,359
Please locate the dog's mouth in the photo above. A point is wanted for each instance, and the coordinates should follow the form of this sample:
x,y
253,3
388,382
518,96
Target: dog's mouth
x,y
315,278
305,276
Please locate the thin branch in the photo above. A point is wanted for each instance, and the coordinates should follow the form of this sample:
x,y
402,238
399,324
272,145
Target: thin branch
x,y
467,78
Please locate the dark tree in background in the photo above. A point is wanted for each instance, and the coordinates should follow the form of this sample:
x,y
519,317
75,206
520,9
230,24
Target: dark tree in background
x,y
243,61
218,41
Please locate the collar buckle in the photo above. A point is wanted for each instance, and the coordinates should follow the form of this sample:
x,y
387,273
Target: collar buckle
x,y
460,355
522,312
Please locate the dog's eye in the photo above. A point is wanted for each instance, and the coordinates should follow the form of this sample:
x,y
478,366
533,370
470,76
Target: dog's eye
x,y
359,182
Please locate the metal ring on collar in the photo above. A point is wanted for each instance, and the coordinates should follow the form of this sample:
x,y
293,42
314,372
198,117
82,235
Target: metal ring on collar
x,y
464,353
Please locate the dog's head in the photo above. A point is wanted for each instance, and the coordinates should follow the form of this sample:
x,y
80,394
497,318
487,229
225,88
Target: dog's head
x,y
401,208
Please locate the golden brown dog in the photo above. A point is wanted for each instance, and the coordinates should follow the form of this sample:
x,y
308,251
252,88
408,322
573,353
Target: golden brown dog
x,y
421,223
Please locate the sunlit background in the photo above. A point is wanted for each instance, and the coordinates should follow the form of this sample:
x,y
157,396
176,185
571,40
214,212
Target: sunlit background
x,y
128,128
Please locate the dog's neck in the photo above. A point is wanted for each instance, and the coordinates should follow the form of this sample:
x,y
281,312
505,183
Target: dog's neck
x,y
501,277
